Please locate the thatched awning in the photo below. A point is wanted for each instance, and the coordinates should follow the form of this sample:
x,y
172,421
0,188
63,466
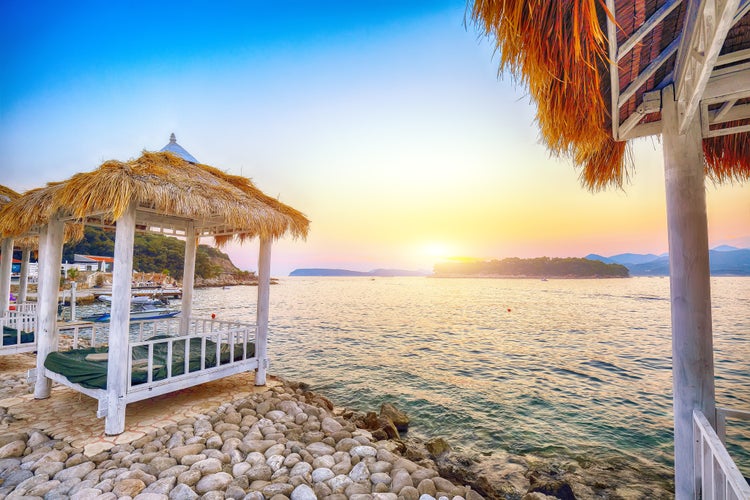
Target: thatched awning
x,y
594,68
168,191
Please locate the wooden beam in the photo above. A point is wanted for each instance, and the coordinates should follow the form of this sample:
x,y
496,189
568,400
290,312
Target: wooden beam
x,y
6,268
264,293
50,258
646,28
119,324
690,287
651,104
648,71
614,70
706,28
726,83
733,57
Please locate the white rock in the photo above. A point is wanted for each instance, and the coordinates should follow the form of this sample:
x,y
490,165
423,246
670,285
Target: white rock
x,y
326,461
319,449
77,471
213,482
360,472
303,492
363,451
240,469
276,449
384,496
380,478
275,415
300,469
275,462
426,497
339,483
207,466
322,474
182,492
329,425
86,494
255,458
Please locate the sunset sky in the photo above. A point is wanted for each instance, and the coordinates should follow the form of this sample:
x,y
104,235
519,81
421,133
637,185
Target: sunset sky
x,y
385,123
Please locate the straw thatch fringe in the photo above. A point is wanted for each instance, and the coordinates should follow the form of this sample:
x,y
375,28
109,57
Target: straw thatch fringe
x,y
166,184
559,51
728,157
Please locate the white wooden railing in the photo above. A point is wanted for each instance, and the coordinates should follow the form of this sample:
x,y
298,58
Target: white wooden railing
x,y
716,475
22,322
97,334
230,347
24,307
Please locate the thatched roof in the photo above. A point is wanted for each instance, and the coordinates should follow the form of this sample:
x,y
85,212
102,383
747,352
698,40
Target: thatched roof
x,y
7,195
168,191
592,67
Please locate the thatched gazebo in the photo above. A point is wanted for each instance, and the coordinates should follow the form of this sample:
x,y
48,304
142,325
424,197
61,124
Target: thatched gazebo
x,y
604,72
158,192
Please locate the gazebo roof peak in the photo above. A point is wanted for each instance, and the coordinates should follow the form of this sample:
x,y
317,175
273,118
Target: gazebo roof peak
x,y
175,148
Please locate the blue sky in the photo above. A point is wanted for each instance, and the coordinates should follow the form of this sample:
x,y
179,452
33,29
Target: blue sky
x,y
384,122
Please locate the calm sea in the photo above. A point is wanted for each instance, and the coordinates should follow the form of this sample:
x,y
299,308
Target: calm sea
x,y
565,371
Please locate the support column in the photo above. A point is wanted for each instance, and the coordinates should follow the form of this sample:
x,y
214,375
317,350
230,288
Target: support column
x,y
6,266
690,287
264,294
73,285
50,258
188,277
119,323
23,282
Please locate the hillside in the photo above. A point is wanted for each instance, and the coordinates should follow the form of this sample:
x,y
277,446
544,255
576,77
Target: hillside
x,y
541,267
723,261
155,253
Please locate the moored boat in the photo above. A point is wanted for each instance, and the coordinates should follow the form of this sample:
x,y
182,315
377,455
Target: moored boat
x,y
139,312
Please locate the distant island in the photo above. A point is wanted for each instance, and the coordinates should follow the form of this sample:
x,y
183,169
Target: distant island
x,y
540,267
724,260
346,272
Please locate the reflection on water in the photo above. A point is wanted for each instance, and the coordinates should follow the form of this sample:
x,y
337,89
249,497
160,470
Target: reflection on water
x,y
561,368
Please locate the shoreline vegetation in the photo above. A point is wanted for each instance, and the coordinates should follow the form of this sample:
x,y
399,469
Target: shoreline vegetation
x,y
540,267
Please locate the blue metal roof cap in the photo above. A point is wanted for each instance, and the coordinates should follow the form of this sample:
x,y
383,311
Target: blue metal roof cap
x,y
175,148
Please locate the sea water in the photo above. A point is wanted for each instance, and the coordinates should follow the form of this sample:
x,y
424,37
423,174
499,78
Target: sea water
x,y
560,370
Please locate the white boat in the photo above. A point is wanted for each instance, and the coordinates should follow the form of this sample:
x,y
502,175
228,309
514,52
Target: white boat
x,y
139,312
136,299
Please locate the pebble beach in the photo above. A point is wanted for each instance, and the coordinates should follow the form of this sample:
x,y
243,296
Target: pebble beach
x,y
281,443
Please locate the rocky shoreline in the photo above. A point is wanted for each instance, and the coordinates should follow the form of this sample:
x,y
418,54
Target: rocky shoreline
x,y
284,443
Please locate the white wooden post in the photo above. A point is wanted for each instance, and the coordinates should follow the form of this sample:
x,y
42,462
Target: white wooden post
x,y
73,285
50,259
692,342
188,277
264,294
6,266
23,282
119,324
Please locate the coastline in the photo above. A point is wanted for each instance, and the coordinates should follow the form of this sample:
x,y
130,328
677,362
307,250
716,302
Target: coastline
x,y
281,442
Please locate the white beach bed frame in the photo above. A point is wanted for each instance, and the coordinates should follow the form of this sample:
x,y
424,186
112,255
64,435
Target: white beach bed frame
x,y
226,335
